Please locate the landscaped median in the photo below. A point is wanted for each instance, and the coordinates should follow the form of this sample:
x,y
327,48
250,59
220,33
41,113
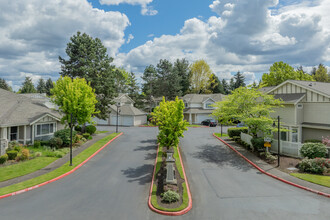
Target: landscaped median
x,y
60,172
186,201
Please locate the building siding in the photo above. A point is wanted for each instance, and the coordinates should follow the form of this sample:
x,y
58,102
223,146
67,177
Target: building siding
x,y
317,113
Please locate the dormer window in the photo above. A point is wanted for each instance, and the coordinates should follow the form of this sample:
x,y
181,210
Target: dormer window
x,y
208,105
186,105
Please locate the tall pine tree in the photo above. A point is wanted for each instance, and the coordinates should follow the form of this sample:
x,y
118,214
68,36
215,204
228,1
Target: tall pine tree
x,y
49,86
27,86
41,87
5,85
239,80
181,68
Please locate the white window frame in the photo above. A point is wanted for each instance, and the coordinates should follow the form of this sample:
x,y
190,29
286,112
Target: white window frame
x,y
287,135
291,134
46,123
208,105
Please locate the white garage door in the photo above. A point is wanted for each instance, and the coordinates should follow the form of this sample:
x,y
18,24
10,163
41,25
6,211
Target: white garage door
x,y
99,121
113,120
202,117
127,120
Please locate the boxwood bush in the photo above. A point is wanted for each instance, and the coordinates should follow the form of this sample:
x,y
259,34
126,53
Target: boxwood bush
x,y
90,129
3,158
64,134
258,143
313,150
236,131
55,142
170,196
12,154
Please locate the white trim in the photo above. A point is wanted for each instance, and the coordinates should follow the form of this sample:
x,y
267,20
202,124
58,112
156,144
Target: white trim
x,y
41,135
47,114
208,99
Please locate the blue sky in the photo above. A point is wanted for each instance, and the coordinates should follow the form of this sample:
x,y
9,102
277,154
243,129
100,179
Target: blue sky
x,y
231,35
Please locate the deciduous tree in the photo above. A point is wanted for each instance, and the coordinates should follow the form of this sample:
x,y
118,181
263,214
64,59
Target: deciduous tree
x,y
200,74
321,74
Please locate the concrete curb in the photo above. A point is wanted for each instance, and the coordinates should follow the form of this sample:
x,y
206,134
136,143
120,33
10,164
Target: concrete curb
x,y
271,175
61,176
182,212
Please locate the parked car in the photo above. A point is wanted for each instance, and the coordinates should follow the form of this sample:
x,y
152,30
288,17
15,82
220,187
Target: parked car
x,y
240,125
209,122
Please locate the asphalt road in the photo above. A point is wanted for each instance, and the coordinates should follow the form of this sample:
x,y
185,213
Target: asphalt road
x,y
115,185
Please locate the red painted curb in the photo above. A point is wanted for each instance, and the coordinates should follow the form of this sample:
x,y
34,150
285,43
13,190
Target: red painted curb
x,y
61,176
271,175
184,211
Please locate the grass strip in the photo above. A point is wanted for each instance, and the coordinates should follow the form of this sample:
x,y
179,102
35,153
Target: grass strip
x,y
317,179
59,171
219,135
185,198
24,168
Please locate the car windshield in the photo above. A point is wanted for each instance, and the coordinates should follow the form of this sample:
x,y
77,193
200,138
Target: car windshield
x,y
212,120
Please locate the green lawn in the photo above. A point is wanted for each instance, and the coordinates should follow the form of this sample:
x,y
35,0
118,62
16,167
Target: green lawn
x,y
154,187
219,135
193,126
23,168
318,179
59,171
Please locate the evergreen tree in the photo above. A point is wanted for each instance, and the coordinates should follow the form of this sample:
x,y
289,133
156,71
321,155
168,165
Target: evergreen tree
x,y
216,86
225,87
181,68
88,59
150,83
239,80
27,86
49,85
4,85
232,84
41,87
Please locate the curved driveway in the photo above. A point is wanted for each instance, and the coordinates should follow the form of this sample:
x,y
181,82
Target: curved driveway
x,y
115,185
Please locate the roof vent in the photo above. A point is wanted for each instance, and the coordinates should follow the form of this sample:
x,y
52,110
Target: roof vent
x,y
311,84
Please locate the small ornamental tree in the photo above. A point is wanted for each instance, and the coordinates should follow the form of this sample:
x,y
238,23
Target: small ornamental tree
x,y
169,118
250,106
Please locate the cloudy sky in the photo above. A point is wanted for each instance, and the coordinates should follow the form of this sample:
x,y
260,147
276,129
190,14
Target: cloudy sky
x,y
231,35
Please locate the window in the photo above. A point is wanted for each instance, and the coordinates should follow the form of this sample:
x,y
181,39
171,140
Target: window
x,y
209,105
186,105
294,135
45,129
284,136
13,133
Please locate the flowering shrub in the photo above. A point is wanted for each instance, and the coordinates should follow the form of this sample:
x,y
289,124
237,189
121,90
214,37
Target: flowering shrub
x,y
326,141
316,165
313,150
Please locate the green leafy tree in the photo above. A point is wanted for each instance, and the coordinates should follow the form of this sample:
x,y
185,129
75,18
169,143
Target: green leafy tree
x,y
169,118
168,81
41,87
200,77
76,97
27,86
280,72
239,80
181,68
5,85
321,74
49,86
216,85
250,106
88,59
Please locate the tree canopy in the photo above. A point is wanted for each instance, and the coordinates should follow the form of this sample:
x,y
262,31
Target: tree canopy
x,y
250,106
27,86
280,72
74,96
321,74
41,87
49,86
200,77
88,59
5,85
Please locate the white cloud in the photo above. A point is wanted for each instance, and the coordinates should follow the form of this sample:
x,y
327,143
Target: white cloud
x,y
130,37
145,9
34,33
150,35
246,36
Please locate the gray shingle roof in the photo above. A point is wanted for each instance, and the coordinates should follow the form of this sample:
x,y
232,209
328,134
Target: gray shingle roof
x,y
199,98
19,110
127,110
316,86
290,98
266,89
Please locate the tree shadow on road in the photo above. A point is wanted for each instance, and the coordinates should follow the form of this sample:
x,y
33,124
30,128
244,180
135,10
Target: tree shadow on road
x,y
150,156
221,157
141,174
149,141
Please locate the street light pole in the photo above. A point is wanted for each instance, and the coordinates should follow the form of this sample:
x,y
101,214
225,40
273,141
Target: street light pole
x,y
71,126
278,141
117,120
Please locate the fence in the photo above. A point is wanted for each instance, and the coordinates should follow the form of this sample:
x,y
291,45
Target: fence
x,y
246,138
287,148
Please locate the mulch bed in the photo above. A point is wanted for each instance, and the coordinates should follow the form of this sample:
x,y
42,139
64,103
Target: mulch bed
x,y
161,187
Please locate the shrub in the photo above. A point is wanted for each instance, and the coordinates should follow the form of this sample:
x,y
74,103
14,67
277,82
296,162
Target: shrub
x,y
170,196
12,154
258,143
77,128
86,135
50,154
90,129
3,158
38,154
316,165
58,154
268,156
326,141
236,131
313,150
312,141
237,138
25,154
37,144
44,143
78,138
55,142
17,148
64,134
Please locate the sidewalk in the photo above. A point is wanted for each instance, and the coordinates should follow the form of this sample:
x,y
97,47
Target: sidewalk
x,y
56,164
273,170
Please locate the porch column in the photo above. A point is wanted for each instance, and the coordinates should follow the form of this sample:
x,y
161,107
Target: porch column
x,y
4,133
24,141
32,135
189,118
